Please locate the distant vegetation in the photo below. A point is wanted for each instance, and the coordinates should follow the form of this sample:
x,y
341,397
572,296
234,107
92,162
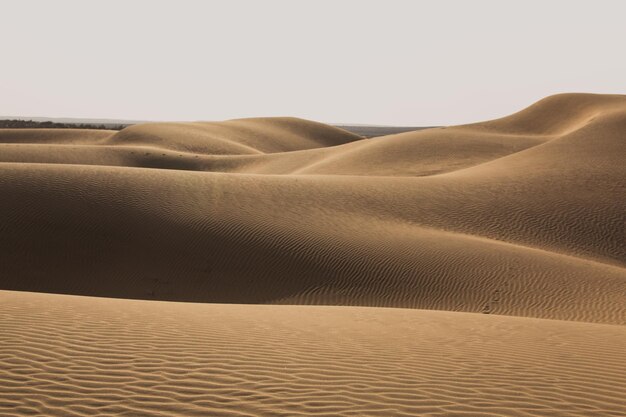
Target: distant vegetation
x,y
29,124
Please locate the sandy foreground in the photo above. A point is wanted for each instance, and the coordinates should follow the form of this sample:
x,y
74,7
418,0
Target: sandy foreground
x,y
82,356
499,246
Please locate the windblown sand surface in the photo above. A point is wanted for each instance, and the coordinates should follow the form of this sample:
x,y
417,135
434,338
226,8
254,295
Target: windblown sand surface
x,y
521,216
84,356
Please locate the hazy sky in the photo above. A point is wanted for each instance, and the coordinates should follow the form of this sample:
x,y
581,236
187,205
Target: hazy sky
x,y
380,62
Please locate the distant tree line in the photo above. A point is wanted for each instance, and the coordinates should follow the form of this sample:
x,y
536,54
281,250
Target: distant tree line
x,y
29,124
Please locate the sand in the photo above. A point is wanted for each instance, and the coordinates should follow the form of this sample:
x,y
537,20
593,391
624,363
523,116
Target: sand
x,y
500,246
84,356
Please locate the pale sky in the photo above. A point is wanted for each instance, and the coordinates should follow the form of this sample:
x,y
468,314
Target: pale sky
x,y
375,62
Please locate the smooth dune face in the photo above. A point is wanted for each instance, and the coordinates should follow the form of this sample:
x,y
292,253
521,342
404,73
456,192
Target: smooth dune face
x,y
85,356
521,216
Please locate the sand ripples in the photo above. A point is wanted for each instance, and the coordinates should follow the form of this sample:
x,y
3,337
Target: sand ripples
x,y
74,356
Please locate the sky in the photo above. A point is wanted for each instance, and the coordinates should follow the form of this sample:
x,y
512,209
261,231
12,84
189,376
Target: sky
x,y
411,63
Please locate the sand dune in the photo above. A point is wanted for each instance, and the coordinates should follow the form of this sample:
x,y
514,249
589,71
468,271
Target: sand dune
x,y
507,221
522,219
235,137
86,356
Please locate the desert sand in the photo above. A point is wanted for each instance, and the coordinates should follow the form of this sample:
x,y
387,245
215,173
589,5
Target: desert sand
x,y
465,270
